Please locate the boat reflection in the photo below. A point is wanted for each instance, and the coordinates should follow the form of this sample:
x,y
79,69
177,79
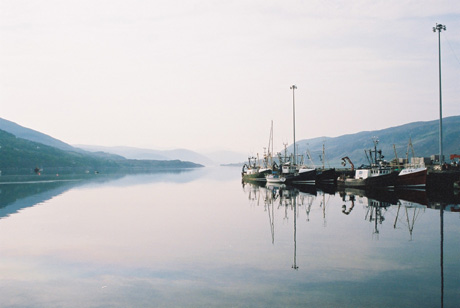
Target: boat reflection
x,y
289,198
398,209
406,204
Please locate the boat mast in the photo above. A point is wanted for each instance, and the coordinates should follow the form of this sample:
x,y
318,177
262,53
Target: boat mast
x,y
376,141
285,152
323,156
396,155
270,147
411,147
293,87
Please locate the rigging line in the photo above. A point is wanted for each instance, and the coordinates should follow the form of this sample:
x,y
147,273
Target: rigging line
x,y
453,51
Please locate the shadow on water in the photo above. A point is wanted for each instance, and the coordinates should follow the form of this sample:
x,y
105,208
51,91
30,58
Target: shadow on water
x,y
409,205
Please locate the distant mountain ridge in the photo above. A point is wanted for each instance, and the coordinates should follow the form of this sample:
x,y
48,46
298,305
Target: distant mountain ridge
x,y
33,135
34,150
139,153
208,159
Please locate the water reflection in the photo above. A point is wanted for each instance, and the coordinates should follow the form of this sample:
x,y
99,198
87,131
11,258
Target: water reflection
x,y
289,198
17,194
152,240
407,206
23,191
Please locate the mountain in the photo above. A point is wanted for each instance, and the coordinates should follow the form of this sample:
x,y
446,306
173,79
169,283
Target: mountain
x,y
118,151
22,150
19,156
139,153
424,136
33,135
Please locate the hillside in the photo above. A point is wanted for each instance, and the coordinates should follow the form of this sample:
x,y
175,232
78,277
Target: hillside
x,y
19,156
105,152
424,135
33,135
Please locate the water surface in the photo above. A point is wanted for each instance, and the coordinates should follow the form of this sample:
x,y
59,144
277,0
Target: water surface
x,y
203,239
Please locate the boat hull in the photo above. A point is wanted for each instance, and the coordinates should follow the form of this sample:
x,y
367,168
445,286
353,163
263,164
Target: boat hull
x,y
307,177
380,181
256,176
275,179
412,178
326,176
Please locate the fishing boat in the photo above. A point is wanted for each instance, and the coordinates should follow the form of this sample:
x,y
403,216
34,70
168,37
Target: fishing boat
x,y
412,177
378,175
372,177
275,178
254,172
325,176
304,175
283,175
414,174
294,174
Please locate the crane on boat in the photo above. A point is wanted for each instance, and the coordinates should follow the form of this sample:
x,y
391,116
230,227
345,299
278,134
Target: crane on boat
x,y
344,162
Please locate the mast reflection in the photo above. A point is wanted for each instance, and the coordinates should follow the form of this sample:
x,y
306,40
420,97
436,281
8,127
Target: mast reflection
x,y
441,212
289,198
412,203
396,210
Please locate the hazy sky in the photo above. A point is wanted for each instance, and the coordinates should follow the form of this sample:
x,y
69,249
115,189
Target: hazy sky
x,y
202,74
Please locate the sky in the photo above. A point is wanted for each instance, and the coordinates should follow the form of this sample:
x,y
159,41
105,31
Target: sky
x,y
206,75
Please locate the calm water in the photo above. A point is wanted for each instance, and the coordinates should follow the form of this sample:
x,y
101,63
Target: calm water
x,y
202,239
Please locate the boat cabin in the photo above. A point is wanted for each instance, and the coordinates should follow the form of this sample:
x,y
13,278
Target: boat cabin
x,y
367,173
288,168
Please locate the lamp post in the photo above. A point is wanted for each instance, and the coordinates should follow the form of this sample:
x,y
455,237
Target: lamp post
x,y
293,87
439,28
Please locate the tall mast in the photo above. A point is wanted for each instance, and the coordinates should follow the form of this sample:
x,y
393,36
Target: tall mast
x,y
323,156
293,87
270,145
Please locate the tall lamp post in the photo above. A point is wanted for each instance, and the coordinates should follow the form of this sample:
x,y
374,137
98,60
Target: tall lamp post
x,y
293,87
439,28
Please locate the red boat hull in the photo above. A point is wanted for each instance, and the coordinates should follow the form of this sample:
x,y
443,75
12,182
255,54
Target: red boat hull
x,y
413,179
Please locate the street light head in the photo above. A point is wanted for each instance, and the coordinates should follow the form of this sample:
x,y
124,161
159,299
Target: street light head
x,y
293,87
439,27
